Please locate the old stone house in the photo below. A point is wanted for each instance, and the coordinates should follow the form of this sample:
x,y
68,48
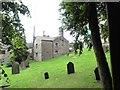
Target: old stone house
x,y
4,53
46,47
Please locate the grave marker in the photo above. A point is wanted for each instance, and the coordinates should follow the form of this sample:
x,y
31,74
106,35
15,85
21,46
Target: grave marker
x,y
96,72
23,65
27,63
15,68
46,75
70,68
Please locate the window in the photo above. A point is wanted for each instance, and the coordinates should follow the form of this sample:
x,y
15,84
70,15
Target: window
x,y
36,54
36,46
56,44
56,51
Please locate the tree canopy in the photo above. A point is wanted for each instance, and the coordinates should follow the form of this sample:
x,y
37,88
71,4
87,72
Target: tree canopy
x,y
74,19
13,32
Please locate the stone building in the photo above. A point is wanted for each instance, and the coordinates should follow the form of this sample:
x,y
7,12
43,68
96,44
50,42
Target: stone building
x,y
4,53
46,47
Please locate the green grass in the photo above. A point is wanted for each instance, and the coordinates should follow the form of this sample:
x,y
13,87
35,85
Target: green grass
x,y
33,77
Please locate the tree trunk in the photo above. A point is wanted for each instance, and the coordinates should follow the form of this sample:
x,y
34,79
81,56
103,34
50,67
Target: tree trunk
x,y
114,31
97,46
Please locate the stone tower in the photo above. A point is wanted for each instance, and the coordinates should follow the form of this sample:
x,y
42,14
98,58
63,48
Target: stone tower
x,y
60,31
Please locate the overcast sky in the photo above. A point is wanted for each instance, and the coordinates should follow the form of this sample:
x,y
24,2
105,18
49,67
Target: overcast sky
x,y
45,17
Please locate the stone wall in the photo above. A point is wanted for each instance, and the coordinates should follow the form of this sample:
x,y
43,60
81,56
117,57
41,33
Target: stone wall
x,y
47,49
60,46
5,56
37,49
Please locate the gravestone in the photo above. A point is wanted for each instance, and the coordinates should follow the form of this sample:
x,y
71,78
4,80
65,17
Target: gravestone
x,y
46,75
27,63
70,68
23,65
15,68
68,54
96,72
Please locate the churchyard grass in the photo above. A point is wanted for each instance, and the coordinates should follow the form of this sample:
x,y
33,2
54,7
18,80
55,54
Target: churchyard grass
x,y
33,77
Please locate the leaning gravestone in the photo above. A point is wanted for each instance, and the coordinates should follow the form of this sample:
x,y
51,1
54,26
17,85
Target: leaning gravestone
x,y
70,68
46,75
27,63
96,72
15,68
23,65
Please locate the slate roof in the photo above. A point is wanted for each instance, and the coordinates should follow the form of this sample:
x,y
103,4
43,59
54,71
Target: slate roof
x,y
46,38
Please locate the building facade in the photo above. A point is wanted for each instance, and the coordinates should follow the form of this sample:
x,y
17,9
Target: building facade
x,y
46,47
4,53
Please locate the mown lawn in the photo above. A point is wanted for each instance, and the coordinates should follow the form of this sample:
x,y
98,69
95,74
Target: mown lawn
x,y
33,77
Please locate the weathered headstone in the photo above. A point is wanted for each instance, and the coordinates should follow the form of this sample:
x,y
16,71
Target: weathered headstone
x,y
70,68
23,65
96,72
68,54
15,68
27,63
46,75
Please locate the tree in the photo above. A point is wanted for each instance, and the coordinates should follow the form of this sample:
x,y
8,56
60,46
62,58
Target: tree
x,y
73,18
102,17
97,45
12,30
114,27
4,80
80,46
75,45
76,16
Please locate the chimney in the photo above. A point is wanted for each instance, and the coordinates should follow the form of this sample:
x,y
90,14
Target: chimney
x,y
60,31
44,34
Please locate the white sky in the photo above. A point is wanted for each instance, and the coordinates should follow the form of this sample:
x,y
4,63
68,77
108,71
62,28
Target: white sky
x,y
45,17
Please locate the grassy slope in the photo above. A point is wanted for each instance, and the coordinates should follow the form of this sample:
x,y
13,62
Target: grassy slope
x,y
82,78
